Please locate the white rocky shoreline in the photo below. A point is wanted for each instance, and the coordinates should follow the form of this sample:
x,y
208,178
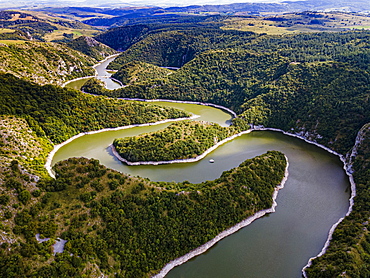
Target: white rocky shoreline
x,y
49,159
186,102
188,160
96,72
203,248
347,169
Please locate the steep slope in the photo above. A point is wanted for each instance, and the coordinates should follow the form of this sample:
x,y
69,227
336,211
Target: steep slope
x,y
61,113
330,103
123,37
140,72
44,63
349,251
91,47
177,47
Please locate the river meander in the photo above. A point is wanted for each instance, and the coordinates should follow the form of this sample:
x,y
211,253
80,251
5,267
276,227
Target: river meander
x,y
315,196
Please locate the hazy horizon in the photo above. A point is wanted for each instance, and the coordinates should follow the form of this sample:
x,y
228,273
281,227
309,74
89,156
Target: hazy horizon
x,y
124,3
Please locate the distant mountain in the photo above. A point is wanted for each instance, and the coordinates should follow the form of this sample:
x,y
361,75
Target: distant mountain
x,y
133,15
117,7
42,27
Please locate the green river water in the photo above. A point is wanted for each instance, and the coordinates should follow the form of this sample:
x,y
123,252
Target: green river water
x,y
315,196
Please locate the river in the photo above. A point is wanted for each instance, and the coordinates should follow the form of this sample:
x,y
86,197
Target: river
x,y
315,196
101,74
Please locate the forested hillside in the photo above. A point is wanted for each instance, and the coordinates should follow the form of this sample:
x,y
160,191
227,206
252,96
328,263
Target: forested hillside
x,y
91,47
330,103
140,72
61,113
174,48
225,77
180,140
314,85
115,223
44,63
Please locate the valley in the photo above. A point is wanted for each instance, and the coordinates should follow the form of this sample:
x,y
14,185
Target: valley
x,y
304,73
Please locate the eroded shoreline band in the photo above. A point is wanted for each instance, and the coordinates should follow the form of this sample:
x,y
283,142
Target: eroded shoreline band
x,y
50,157
346,166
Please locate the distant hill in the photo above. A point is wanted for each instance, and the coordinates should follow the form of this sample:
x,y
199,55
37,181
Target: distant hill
x,y
44,27
91,47
119,16
174,48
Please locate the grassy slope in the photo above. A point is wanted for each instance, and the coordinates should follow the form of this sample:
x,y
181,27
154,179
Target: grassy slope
x,y
299,22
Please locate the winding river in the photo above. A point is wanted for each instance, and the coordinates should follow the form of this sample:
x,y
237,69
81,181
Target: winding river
x,y
315,196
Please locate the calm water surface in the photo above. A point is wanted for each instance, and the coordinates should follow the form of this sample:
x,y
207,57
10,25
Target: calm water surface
x,y
314,198
102,74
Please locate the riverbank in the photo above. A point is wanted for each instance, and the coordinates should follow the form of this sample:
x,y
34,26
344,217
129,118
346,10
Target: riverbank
x,y
168,267
49,159
347,169
96,72
188,160
185,102
104,60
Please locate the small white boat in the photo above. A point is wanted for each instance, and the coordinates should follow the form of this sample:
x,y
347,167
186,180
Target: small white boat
x,y
211,160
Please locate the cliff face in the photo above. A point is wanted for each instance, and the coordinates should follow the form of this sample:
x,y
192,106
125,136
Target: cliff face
x,y
91,47
360,150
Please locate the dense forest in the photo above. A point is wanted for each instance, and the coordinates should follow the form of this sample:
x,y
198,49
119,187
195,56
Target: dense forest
x,y
174,48
140,72
61,113
312,84
44,63
119,223
181,140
